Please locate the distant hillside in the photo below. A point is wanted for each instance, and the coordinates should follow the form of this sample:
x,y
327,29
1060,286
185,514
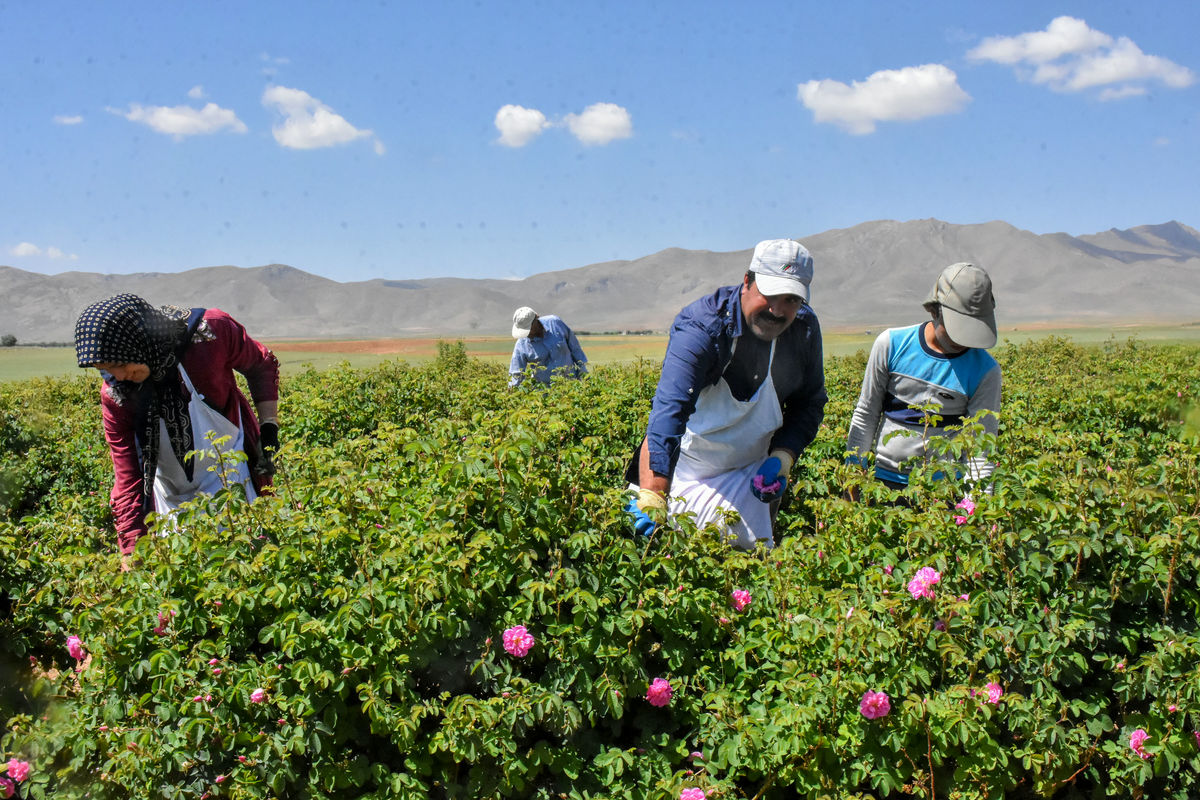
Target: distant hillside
x,y
868,276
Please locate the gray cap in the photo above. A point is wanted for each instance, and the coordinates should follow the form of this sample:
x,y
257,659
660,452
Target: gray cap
x,y
782,266
964,292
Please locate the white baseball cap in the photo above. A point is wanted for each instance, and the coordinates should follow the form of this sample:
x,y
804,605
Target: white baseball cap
x,y
523,319
782,266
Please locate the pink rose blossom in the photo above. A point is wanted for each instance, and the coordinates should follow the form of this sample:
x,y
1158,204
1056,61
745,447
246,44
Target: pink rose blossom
x,y
1197,735
994,693
741,599
966,598
258,695
18,770
723,620
1172,708
692,794
696,755
75,648
940,625
1137,742
874,705
208,698
7,788
888,569
922,583
212,662
518,641
220,779
967,505
197,699
768,488
659,692
217,603
242,759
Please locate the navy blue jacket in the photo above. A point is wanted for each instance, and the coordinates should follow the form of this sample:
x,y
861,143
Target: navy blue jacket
x,y
698,353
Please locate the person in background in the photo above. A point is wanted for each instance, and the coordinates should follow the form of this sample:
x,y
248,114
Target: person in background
x,y
741,395
545,343
941,362
168,384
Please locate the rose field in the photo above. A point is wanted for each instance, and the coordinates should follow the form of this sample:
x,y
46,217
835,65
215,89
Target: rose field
x,y
443,599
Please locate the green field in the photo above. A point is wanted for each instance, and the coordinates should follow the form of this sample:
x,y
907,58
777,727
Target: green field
x,y
20,363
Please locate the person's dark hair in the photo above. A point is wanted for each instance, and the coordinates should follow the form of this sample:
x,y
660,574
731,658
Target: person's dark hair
x,y
749,276
934,309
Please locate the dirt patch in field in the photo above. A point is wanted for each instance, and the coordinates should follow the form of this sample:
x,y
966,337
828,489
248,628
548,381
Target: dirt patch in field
x,y
367,346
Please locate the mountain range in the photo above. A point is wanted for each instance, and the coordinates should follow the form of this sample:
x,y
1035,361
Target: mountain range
x,y
866,277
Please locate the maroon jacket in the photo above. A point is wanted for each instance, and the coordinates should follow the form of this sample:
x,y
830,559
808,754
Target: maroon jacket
x,y
210,365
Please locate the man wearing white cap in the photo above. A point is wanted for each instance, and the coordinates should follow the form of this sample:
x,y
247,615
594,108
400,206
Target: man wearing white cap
x,y
546,344
741,394
943,362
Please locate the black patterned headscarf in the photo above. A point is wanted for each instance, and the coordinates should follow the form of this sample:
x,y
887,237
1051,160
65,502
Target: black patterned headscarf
x,y
125,329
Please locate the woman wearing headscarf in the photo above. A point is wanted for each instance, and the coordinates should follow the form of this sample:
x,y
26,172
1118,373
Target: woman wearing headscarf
x,y
169,384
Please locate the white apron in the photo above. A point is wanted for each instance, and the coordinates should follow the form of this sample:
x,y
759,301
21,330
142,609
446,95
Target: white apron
x,y
724,444
171,485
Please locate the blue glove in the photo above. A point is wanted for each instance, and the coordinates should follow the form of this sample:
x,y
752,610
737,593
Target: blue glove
x,y
636,509
769,482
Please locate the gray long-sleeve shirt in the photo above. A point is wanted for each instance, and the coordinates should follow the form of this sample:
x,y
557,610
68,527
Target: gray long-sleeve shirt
x,y
903,372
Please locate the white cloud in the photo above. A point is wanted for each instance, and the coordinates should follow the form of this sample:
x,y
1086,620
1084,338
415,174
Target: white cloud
x,y
1063,36
1122,92
181,121
308,123
518,125
600,123
26,249
64,119
1162,141
196,92
889,95
1070,56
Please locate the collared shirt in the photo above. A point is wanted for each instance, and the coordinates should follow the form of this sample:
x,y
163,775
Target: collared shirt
x,y
556,351
701,351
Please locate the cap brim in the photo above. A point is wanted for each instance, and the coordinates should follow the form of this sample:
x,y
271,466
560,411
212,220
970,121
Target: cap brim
x,y
772,285
521,333
970,331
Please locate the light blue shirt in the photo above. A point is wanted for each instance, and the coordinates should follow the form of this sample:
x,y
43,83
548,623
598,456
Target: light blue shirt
x,y
555,352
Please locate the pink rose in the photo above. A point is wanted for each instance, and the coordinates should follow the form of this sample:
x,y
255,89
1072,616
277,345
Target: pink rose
x,y
741,599
216,670
75,648
1137,741
922,583
1197,735
692,794
220,779
18,770
767,488
994,693
888,569
258,695
659,692
212,662
874,705
7,788
518,641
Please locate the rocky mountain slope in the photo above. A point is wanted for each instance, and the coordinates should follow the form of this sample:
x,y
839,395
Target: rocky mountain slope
x,y
868,276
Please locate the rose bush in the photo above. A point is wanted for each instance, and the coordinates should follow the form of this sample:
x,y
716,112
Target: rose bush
x,y
346,637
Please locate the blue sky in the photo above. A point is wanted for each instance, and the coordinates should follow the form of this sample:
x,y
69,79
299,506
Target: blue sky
x,y
500,139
